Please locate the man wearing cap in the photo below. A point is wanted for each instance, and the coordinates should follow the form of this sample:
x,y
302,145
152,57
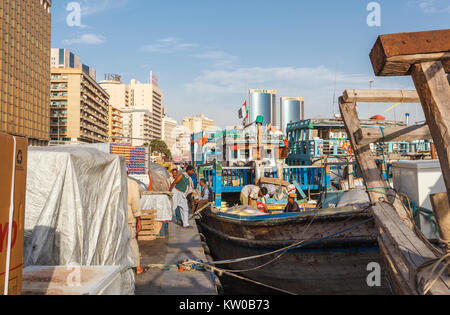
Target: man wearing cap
x,y
292,205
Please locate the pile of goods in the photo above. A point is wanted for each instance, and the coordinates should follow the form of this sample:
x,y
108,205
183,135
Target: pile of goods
x,y
134,157
159,178
244,211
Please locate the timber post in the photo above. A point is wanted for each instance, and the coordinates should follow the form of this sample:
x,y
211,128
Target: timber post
x,y
426,57
377,186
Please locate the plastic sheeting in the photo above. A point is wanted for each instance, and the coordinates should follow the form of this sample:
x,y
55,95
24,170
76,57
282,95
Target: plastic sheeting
x,y
160,177
76,210
162,203
357,197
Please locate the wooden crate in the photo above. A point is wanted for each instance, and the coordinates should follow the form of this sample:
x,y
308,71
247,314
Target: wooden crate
x,y
149,225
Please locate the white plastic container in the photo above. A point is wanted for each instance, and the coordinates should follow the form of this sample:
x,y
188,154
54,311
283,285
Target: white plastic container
x,y
418,180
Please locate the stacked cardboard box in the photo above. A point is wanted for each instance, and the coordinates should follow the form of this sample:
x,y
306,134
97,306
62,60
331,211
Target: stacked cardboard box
x,y
134,157
149,226
13,172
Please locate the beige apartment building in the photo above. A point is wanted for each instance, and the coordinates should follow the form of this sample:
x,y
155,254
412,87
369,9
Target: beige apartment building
x,y
198,123
137,95
119,93
137,126
148,96
170,132
25,69
115,125
79,108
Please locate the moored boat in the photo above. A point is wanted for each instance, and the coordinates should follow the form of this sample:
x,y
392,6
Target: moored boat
x,y
334,249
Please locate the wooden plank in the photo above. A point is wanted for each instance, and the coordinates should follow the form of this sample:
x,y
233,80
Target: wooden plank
x,y
406,251
381,96
146,233
394,54
372,177
434,90
441,208
393,134
274,181
146,238
397,269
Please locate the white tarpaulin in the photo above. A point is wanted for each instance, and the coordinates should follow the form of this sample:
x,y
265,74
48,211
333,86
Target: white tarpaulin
x,y
76,210
161,202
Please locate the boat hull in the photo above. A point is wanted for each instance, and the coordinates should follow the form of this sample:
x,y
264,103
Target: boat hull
x,y
337,265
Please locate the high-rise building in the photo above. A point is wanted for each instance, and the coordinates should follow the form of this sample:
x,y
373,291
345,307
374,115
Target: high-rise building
x,y
199,123
183,141
115,125
148,96
64,58
264,103
292,109
25,69
79,108
137,126
119,93
169,132
136,94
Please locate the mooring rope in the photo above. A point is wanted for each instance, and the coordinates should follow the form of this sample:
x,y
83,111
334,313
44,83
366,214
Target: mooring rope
x,y
192,265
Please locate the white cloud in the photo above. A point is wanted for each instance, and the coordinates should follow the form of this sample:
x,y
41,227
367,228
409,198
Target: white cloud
x,y
167,45
173,45
87,39
432,6
219,59
92,7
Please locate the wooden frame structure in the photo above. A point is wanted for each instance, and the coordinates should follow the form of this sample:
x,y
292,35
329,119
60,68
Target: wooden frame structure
x,y
426,57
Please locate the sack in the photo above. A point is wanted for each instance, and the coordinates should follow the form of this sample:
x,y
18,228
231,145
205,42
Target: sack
x,y
159,182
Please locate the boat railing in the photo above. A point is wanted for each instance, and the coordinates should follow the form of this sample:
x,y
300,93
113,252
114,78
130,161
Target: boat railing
x,y
308,150
308,178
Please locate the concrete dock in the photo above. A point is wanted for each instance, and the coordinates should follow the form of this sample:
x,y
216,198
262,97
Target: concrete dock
x,y
181,244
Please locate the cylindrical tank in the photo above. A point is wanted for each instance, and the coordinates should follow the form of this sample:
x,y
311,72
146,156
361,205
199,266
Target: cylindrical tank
x,y
263,103
292,109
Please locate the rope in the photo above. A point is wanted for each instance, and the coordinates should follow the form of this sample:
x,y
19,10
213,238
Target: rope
x,y
196,266
197,213
293,246
386,176
392,107
406,201
431,277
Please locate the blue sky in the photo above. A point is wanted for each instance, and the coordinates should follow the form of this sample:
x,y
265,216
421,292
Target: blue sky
x,y
206,53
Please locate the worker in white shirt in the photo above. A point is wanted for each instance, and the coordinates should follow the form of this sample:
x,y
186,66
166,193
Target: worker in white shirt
x,y
250,195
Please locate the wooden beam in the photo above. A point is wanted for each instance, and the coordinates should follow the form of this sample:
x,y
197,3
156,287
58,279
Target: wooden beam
x,y
373,179
434,90
441,208
404,251
393,134
394,54
381,96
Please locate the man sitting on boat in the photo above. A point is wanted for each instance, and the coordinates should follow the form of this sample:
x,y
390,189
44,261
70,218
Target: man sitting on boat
x,y
250,195
292,205
206,195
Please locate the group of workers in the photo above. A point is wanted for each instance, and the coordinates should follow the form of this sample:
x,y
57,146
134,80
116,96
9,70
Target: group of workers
x,y
183,189
255,196
186,199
